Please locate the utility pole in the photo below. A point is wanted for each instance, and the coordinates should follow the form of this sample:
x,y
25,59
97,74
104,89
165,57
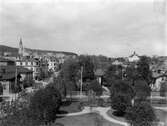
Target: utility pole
x,y
81,81
15,82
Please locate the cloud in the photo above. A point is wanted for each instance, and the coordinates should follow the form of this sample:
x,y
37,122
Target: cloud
x,y
101,27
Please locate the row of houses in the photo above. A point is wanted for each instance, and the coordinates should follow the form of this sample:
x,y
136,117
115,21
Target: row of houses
x,y
10,75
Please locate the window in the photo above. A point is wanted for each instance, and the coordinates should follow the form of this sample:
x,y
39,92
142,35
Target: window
x,y
18,63
3,70
4,86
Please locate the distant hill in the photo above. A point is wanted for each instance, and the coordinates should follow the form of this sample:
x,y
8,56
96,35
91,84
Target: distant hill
x,y
6,49
14,51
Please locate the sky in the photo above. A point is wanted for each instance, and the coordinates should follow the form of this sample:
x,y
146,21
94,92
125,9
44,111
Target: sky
x,y
107,27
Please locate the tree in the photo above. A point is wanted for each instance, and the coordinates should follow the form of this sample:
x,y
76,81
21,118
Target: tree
x,y
86,62
23,117
121,95
120,103
45,104
142,89
122,87
143,69
163,89
132,73
113,73
96,87
1,91
141,114
69,71
60,85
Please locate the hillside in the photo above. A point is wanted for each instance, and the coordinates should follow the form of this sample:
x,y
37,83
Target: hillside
x,y
14,51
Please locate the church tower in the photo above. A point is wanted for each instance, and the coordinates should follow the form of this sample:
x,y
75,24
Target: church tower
x,y
21,49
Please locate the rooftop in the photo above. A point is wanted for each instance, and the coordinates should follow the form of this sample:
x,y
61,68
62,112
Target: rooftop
x,y
99,72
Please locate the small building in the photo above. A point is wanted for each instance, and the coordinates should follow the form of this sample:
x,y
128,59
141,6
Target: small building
x,y
52,64
31,64
134,57
99,73
6,62
9,74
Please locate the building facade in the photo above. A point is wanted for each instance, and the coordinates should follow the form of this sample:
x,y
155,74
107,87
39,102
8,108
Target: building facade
x,y
134,57
31,64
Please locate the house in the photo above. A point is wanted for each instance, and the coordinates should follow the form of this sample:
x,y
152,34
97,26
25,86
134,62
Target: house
x,y
52,64
12,75
99,73
31,64
119,63
159,73
134,57
6,62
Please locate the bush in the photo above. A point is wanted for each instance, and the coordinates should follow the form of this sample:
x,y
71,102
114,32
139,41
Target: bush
x,y
122,87
142,89
121,96
45,104
27,83
23,117
141,114
120,103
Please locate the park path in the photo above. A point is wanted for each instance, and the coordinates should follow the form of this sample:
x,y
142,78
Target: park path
x,y
161,108
100,110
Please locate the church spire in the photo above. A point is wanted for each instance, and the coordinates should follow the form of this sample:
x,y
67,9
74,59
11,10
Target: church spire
x,y
20,48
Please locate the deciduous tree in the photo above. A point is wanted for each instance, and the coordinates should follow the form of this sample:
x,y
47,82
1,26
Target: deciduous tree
x,y
143,69
45,104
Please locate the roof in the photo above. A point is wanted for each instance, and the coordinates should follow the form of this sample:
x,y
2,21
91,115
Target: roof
x,y
5,60
28,59
10,72
12,69
116,62
134,54
99,72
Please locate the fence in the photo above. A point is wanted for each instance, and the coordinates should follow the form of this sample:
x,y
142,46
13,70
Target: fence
x,y
158,98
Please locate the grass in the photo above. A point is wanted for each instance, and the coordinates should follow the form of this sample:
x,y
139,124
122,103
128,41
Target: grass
x,y
70,107
161,115
110,113
91,119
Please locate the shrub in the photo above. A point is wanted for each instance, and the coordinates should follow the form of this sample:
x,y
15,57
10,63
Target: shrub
x,y
141,114
142,89
120,103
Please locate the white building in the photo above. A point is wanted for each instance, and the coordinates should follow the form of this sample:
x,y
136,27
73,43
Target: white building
x,y
52,64
134,57
31,64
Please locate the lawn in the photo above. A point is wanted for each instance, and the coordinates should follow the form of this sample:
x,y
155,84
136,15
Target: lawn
x,y
91,119
70,107
110,113
162,116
